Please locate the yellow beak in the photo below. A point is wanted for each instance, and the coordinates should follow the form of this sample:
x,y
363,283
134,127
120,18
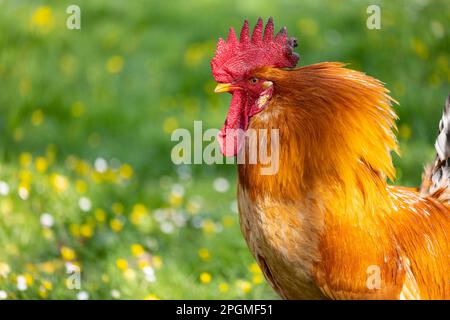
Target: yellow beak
x,y
225,87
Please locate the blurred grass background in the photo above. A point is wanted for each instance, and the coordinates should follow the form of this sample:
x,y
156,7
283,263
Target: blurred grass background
x,y
85,121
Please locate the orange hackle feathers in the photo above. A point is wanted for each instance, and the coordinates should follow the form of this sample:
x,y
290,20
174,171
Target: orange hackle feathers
x,y
327,225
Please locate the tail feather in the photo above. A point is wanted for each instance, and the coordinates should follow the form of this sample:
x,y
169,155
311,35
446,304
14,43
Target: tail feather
x,y
436,177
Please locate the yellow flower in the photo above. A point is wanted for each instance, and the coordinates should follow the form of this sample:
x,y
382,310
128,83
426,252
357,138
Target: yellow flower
x,y
257,279
254,268
82,167
152,297
41,164
43,18
203,253
117,208
116,225
175,199
47,285
4,269
137,250
209,227
37,117
126,171
170,124
205,277
81,186
59,182
227,221
100,215
86,231
130,274
157,262
67,253
244,286
77,109
223,287
105,278
122,264
114,64
25,159
139,211
74,230
48,234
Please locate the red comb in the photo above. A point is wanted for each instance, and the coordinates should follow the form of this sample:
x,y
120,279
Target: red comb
x,y
234,58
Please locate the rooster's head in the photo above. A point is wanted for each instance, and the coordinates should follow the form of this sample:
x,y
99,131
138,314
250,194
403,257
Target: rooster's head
x,y
234,66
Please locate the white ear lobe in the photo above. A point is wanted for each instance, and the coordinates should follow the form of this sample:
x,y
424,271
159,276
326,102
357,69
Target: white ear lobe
x,y
267,84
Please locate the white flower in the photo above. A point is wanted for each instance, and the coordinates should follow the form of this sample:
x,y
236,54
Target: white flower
x,y
4,188
83,295
167,227
115,294
47,220
221,185
149,274
178,190
85,204
234,206
22,283
3,295
101,165
23,193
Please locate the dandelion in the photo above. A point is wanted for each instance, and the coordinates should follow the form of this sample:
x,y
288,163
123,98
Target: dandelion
x,y
254,268
4,269
257,279
67,253
25,159
203,253
81,186
208,226
126,171
152,297
37,117
157,262
130,274
227,221
122,264
42,18
83,295
4,188
114,64
86,231
170,124
74,229
85,204
117,208
138,213
59,182
205,277
41,164
48,234
223,287
47,220
116,225
137,249
100,215
244,286
77,109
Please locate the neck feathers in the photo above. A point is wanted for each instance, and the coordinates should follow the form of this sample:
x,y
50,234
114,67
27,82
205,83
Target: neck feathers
x,y
336,131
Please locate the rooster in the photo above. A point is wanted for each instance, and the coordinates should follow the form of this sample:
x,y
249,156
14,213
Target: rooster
x,y
327,225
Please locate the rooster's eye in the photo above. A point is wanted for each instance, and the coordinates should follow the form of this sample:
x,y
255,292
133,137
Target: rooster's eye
x,y
253,80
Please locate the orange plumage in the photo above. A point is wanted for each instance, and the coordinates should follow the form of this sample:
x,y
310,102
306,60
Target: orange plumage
x,y
328,225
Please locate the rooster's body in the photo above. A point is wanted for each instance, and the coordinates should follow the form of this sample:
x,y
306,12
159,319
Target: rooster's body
x,y
327,225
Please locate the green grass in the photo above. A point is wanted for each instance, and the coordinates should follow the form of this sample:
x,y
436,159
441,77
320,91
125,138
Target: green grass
x,y
117,88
